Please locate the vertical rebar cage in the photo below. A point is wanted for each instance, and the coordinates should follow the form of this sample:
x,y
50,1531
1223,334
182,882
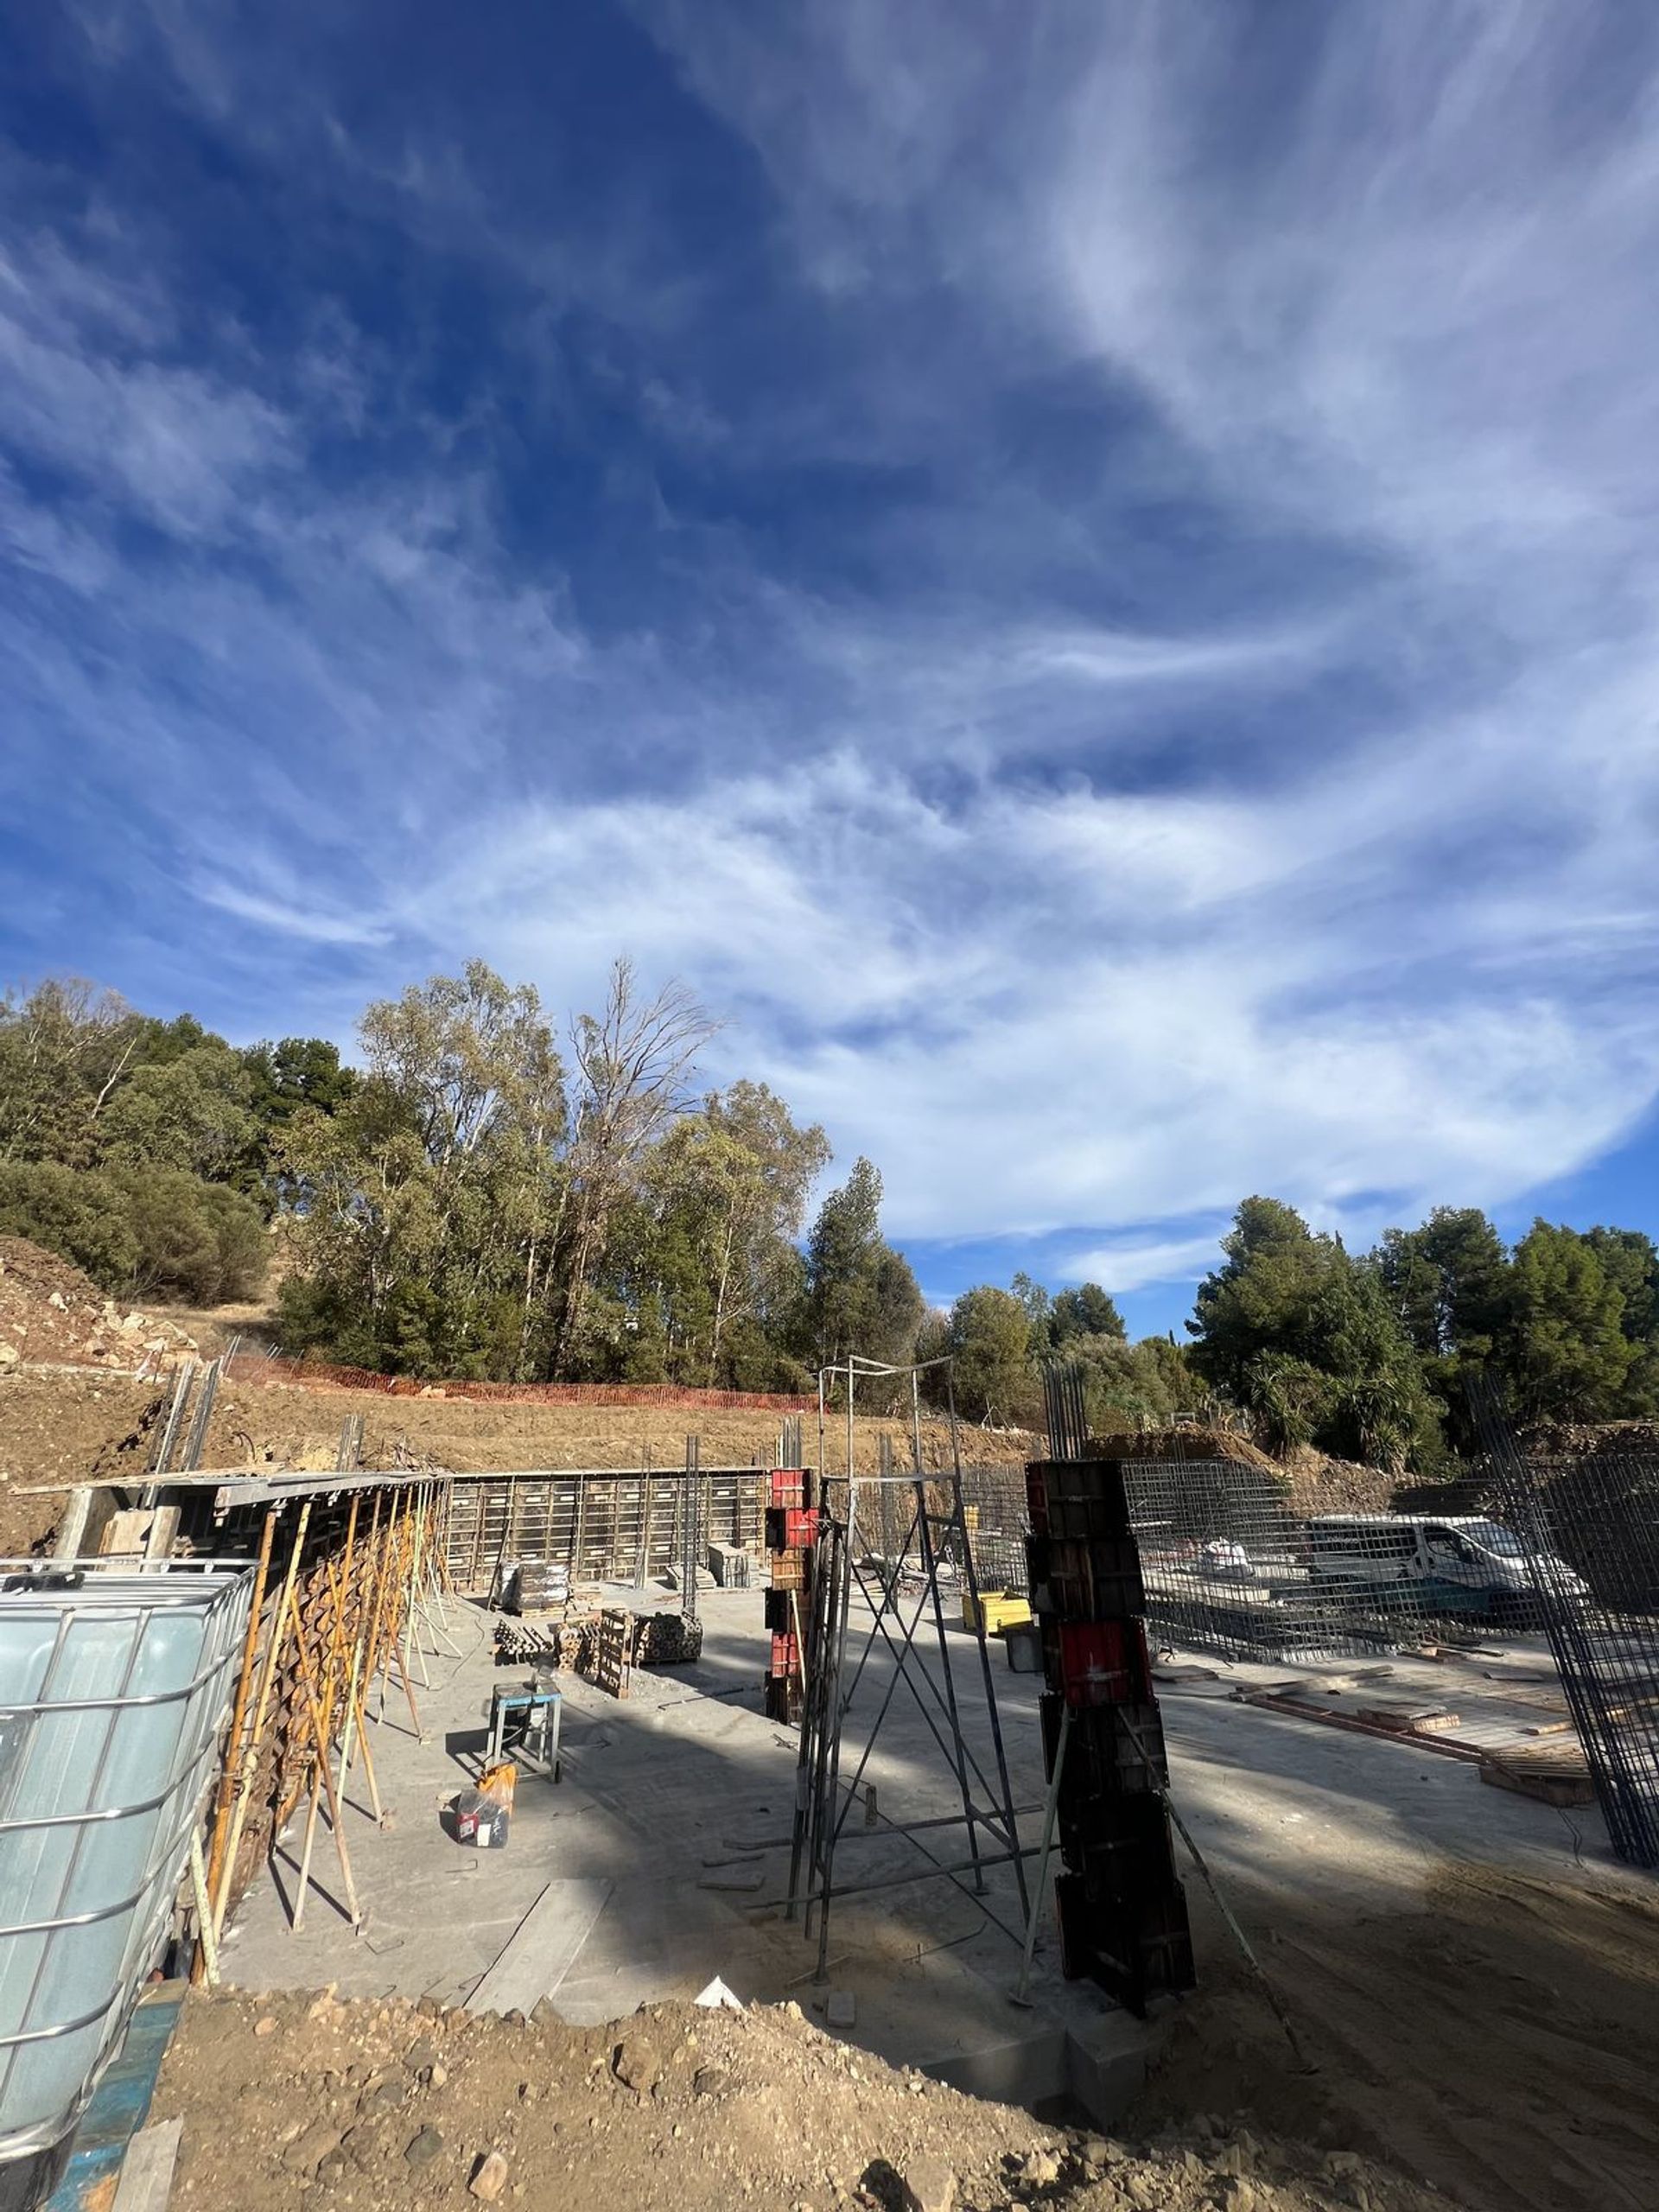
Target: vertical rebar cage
x,y
114,1687
1591,1529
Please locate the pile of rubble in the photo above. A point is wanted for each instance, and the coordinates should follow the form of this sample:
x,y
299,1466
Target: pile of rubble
x,y
52,1315
294,2098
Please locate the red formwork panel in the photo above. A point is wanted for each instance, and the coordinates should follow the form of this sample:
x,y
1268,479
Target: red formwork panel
x,y
1097,1663
791,1527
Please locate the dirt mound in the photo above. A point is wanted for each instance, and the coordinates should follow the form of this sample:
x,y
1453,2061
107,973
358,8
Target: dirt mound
x,y
63,1427
53,1315
1313,1482
1320,1484
1186,1440
401,2108
1590,1439
1500,2034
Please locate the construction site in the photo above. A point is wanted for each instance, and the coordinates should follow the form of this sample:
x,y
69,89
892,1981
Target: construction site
x,y
590,1799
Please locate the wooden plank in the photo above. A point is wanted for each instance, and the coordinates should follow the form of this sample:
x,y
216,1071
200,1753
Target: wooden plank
x,y
542,1948
1409,1718
1542,1772
120,2104
614,1650
146,2173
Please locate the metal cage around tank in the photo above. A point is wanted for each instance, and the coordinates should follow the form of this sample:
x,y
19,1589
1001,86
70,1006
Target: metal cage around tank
x,y
114,1687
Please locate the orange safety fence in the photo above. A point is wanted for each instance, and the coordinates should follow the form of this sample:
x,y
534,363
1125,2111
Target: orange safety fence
x,y
320,1374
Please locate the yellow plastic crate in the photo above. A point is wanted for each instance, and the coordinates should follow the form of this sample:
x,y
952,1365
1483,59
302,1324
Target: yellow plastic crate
x,y
1001,1608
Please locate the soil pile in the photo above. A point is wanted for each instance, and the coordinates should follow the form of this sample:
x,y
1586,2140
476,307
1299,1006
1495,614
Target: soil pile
x,y
1186,1440
64,1428
1313,1482
1320,1484
1500,2038
404,2109
51,1314
1597,1439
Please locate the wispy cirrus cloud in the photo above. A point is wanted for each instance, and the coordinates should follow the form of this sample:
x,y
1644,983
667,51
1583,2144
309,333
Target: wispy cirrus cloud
x,y
1091,577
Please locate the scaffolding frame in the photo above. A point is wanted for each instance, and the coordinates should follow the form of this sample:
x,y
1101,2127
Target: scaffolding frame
x,y
841,1565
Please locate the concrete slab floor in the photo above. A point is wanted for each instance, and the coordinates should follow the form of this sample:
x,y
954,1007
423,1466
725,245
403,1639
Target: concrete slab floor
x,y
660,1794
687,1770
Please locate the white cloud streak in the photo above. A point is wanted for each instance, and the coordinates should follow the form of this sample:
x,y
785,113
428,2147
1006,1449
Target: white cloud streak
x,y
1389,930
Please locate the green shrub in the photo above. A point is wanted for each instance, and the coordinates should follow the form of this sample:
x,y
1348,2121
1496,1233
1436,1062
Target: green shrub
x,y
82,1216
139,1232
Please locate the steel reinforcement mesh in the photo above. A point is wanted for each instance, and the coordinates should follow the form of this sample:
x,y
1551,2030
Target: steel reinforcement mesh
x,y
1567,1546
1232,1566
1590,1530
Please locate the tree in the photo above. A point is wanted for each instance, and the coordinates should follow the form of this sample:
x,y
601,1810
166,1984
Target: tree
x,y
1630,1263
64,1047
1259,1302
988,1338
189,1111
635,1062
423,1202
282,1077
1306,1337
729,1188
139,1232
1448,1281
1086,1311
84,1216
1565,1351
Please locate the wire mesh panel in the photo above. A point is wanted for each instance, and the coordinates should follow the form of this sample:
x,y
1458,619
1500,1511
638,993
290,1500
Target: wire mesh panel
x,y
113,1692
1233,1567
1589,1529
994,1499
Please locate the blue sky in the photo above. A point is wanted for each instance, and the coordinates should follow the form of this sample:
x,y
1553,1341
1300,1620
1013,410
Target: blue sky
x,y
1086,574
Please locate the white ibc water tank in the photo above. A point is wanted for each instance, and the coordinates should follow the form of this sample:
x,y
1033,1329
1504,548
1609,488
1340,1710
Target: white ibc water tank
x,y
114,1690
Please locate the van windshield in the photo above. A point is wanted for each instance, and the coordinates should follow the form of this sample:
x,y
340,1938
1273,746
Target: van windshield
x,y
1493,1537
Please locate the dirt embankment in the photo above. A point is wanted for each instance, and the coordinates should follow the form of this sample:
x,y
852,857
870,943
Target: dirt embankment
x,y
1584,1440
58,1426
1314,1481
53,1321
1500,2040
51,1314
390,2106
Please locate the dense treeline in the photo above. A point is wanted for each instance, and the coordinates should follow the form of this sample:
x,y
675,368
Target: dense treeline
x,y
1368,1358
1372,1357
479,1197
146,1150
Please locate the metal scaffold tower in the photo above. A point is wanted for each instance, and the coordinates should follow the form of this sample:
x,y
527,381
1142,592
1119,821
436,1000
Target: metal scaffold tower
x,y
875,1596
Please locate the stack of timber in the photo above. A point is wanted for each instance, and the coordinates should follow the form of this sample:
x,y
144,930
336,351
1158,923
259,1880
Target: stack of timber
x,y
572,1645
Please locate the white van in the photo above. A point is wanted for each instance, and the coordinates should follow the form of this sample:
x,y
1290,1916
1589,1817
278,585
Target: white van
x,y
1456,1563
